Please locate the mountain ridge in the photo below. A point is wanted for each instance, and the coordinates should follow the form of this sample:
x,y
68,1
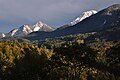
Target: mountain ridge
x,y
95,23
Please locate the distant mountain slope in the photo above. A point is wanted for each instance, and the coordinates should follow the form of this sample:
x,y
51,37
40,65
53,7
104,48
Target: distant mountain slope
x,y
112,33
95,23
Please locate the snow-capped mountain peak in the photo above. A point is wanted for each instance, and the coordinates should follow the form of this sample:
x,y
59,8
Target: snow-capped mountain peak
x,y
40,26
26,29
87,14
83,16
37,26
40,23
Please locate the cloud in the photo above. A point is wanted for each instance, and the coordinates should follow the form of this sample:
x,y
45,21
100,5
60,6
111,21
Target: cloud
x,y
54,12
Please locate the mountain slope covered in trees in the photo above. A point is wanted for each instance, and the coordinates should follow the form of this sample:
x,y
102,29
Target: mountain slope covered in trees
x,y
24,61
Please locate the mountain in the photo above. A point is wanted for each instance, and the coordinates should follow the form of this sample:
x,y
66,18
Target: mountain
x,y
95,23
83,16
100,21
26,29
40,26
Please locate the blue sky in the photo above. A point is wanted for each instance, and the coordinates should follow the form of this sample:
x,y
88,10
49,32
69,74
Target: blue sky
x,y
14,13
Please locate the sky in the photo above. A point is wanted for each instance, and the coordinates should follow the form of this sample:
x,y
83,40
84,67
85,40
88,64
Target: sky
x,y
15,13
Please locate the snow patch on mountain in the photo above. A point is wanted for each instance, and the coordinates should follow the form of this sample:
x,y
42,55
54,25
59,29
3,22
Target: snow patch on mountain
x,y
12,32
36,28
2,35
83,16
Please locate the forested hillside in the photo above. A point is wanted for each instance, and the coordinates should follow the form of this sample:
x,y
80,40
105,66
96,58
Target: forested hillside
x,y
70,61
